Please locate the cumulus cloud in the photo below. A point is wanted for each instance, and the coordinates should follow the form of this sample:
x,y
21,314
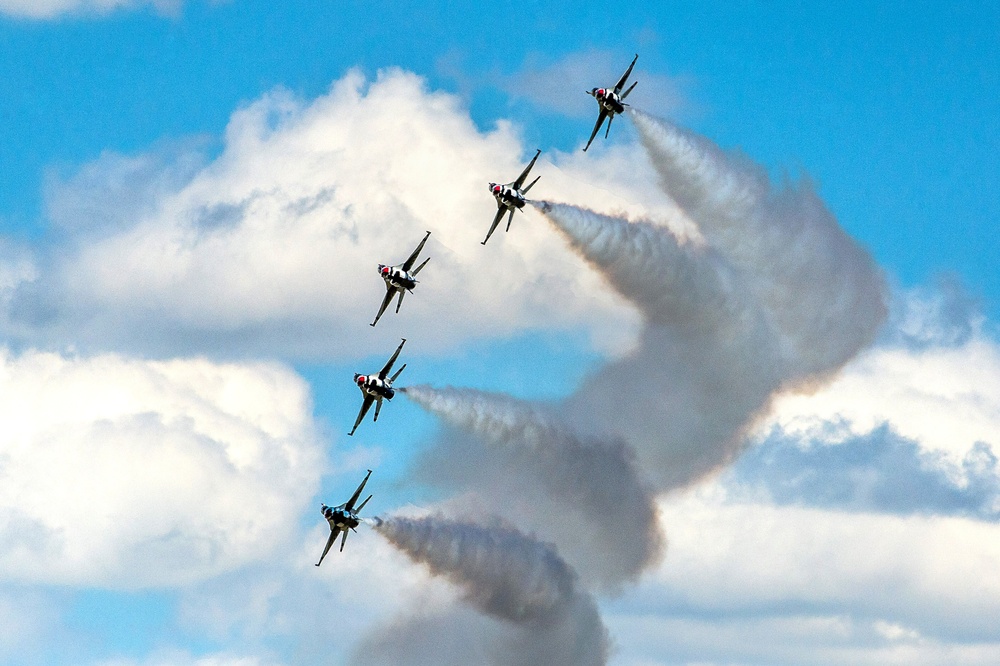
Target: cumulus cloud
x,y
126,473
252,252
944,397
879,471
837,536
50,9
732,559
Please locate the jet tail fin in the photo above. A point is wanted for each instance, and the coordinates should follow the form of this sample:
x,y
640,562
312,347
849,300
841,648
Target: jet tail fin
x,y
608,131
358,510
343,540
510,218
398,373
399,303
629,89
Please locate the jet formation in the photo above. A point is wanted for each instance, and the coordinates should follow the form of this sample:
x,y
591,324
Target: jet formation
x,y
401,278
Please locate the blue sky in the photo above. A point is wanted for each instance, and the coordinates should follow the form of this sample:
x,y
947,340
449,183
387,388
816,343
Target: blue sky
x,y
893,112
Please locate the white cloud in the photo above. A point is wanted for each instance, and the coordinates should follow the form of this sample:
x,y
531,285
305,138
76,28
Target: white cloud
x,y
648,640
823,586
49,9
272,246
945,398
124,473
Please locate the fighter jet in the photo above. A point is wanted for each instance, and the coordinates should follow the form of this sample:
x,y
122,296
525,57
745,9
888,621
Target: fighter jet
x,y
510,197
377,387
611,102
400,279
343,518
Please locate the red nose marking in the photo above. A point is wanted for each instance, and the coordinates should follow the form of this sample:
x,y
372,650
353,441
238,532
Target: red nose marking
x,y
496,189
385,271
361,380
601,92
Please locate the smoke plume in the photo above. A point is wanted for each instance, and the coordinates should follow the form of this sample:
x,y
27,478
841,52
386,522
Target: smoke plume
x,y
527,462
513,578
777,297
773,296
822,291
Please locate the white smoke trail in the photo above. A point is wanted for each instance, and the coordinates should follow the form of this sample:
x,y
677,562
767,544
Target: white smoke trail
x,y
513,577
674,283
781,301
574,489
777,297
822,290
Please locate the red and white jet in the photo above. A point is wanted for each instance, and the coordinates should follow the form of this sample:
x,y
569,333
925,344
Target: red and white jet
x,y
510,197
399,279
611,102
377,387
343,518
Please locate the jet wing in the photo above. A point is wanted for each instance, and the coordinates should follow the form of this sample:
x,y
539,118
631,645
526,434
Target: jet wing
x,y
390,291
517,184
365,406
357,493
600,121
334,533
408,264
496,220
621,81
388,366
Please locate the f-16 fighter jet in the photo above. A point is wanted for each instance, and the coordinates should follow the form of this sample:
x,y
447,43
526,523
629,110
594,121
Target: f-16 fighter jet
x,y
377,387
510,197
399,279
343,518
611,102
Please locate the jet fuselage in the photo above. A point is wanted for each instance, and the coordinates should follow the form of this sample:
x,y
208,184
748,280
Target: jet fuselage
x,y
507,196
339,517
609,100
375,387
395,276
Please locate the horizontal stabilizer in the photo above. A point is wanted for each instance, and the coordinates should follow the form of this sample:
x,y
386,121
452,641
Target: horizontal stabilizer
x,y
398,373
421,265
525,190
